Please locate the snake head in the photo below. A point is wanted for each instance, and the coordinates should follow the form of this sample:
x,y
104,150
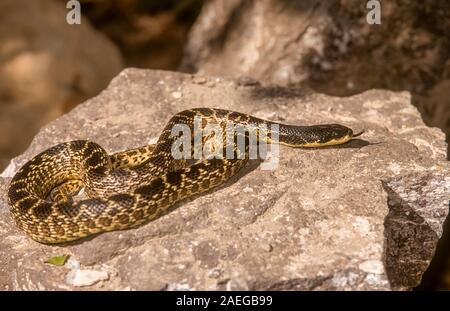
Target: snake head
x,y
334,134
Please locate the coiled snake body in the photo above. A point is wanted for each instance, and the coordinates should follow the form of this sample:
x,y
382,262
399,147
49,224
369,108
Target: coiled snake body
x,y
133,187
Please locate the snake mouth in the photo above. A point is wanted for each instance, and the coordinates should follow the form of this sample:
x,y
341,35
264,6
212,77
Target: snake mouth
x,y
358,134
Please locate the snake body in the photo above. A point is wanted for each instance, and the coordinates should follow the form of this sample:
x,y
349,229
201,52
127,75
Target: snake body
x,y
128,189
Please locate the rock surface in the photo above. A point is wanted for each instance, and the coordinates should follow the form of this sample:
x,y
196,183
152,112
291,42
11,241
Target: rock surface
x,y
363,216
46,68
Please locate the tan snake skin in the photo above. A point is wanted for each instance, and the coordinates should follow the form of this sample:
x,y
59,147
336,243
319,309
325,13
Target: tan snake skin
x,y
128,189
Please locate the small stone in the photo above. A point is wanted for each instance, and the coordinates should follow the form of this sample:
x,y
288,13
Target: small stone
x,y
199,80
215,273
248,189
177,95
266,247
372,266
153,140
178,287
237,284
88,277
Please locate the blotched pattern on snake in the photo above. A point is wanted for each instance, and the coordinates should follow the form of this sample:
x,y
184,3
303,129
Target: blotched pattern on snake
x,y
130,188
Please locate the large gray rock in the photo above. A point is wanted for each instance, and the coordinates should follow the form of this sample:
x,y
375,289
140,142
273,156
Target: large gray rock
x,y
363,216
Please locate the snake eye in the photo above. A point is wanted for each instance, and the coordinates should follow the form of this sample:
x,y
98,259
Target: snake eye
x,y
344,131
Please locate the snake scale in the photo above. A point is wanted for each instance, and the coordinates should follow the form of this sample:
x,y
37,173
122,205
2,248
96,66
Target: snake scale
x,y
130,188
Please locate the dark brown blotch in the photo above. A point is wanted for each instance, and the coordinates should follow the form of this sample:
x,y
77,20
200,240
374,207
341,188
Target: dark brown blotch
x,y
186,113
113,212
94,159
77,145
151,189
43,210
183,192
97,205
104,221
205,184
68,209
123,199
174,178
18,195
138,214
194,172
101,170
174,197
236,116
89,148
52,151
194,188
144,190
165,201
124,219
90,223
60,231
151,209
37,160
20,175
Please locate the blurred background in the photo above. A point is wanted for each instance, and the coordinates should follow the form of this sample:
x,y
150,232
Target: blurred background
x,y
47,67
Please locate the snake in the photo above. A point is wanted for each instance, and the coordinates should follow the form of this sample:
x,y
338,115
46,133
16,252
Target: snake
x,y
130,188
